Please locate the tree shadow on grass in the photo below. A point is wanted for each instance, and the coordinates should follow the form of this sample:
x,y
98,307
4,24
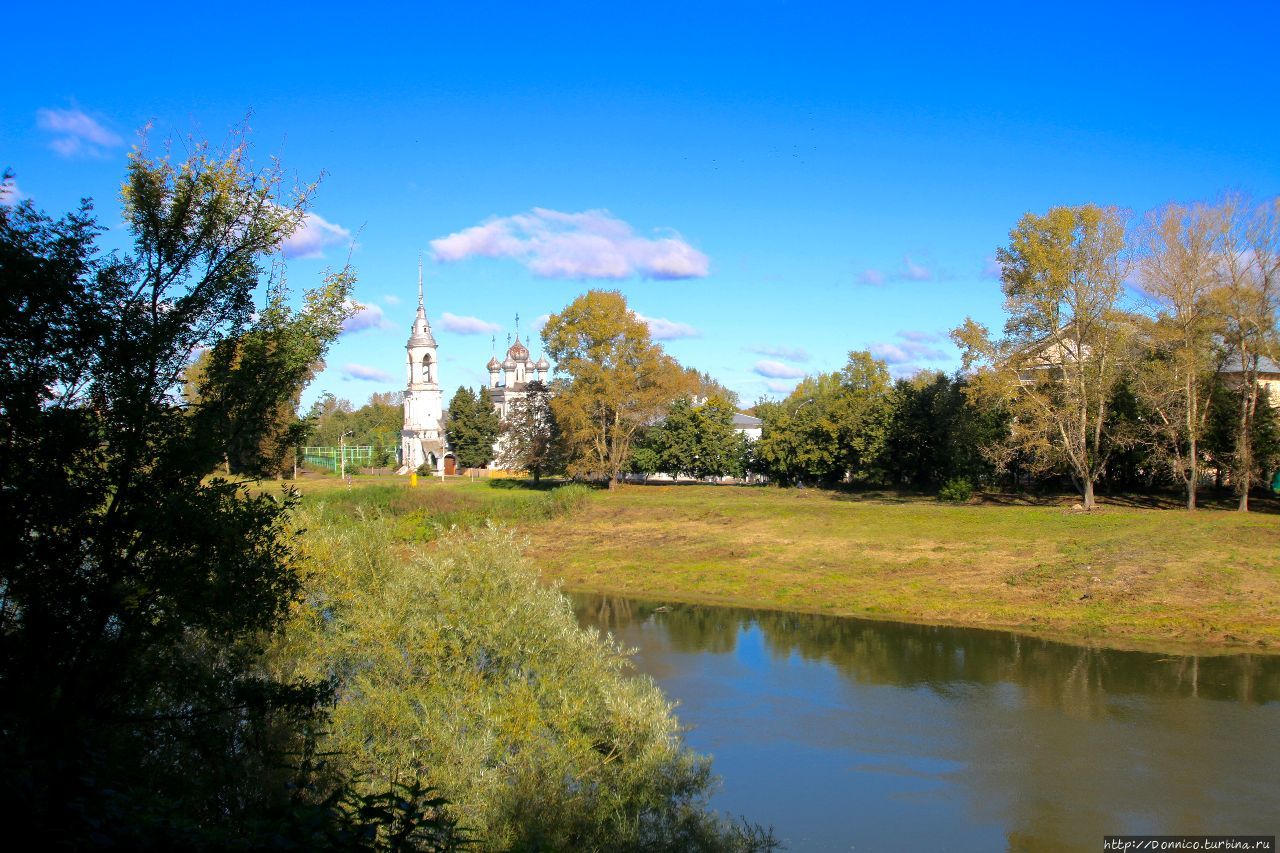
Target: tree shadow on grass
x,y
546,484
1208,499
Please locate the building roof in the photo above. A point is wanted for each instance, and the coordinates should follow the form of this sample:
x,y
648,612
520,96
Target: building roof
x,y
421,334
743,421
1265,365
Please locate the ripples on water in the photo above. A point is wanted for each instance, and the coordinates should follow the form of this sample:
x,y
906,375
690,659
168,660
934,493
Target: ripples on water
x,y
855,734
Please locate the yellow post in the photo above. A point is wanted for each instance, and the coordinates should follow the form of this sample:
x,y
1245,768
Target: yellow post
x,y
413,480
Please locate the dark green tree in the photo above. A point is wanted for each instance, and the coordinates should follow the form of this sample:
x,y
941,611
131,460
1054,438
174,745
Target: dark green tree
x,y
250,384
938,434
696,441
136,710
1222,439
472,427
673,443
531,438
831,429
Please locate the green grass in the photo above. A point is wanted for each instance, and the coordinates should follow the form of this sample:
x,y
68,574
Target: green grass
x,y
421,514
1121,576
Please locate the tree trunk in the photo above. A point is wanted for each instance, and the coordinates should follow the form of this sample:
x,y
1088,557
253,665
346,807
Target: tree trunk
x,y
1194,477
1088,493
1244,440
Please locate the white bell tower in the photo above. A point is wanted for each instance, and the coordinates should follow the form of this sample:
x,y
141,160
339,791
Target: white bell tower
x,y
422,439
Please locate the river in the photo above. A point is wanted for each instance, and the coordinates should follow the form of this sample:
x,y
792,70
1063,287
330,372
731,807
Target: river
x,y
849,734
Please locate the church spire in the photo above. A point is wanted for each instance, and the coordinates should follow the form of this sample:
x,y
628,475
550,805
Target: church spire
x,y
421,325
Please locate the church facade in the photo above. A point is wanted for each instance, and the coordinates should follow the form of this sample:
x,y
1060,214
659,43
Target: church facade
x,y
509,381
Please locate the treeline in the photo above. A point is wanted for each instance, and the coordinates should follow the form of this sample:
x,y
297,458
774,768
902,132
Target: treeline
x,y
1080,392
375,424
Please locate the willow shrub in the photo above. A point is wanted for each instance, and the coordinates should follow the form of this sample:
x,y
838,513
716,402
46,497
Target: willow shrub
x,y
454,666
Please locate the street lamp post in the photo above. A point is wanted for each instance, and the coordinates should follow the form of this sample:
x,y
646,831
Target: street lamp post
x,y
342,456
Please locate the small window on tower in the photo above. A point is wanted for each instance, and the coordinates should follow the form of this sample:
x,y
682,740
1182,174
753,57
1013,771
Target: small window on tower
x,y
426,368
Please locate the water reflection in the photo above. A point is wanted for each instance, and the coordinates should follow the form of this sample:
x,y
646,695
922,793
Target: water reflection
x,y
907,655
869,730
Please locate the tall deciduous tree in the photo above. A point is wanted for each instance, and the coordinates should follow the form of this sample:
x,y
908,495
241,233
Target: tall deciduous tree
x,y
1248,298
1066,344
832,428
617,381
695,440
1180,254
137,592
472,427
800,437
531,437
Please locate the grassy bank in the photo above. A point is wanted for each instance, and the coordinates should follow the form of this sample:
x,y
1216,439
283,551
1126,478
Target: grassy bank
x,y
1123,576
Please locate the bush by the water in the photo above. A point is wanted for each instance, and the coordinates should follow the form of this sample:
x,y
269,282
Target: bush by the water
x,y
456,667
957,490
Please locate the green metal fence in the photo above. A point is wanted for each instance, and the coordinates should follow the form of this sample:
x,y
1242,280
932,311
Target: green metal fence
x,y
357,456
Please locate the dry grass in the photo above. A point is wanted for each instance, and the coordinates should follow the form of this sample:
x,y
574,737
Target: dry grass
x,y
1121,576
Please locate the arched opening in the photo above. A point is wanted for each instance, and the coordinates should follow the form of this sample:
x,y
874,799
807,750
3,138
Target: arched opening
x,y
426,367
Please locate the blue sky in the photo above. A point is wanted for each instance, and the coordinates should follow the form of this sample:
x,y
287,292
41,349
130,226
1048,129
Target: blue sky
x,y
773,184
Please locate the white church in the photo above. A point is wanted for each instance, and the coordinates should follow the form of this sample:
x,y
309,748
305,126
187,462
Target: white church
x,y
423,438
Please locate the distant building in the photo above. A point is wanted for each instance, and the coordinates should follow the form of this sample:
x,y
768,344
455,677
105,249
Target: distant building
x,y
749,425
1268,377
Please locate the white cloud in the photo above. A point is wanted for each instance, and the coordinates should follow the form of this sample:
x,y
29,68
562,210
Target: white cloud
x,y
663,329
912,271
919,337
909,271
10,192
593,244
391,299
780,386
364,373
367,316
76,133
991,268
540,322
313,236
468,325
906,352
798,354
776,369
